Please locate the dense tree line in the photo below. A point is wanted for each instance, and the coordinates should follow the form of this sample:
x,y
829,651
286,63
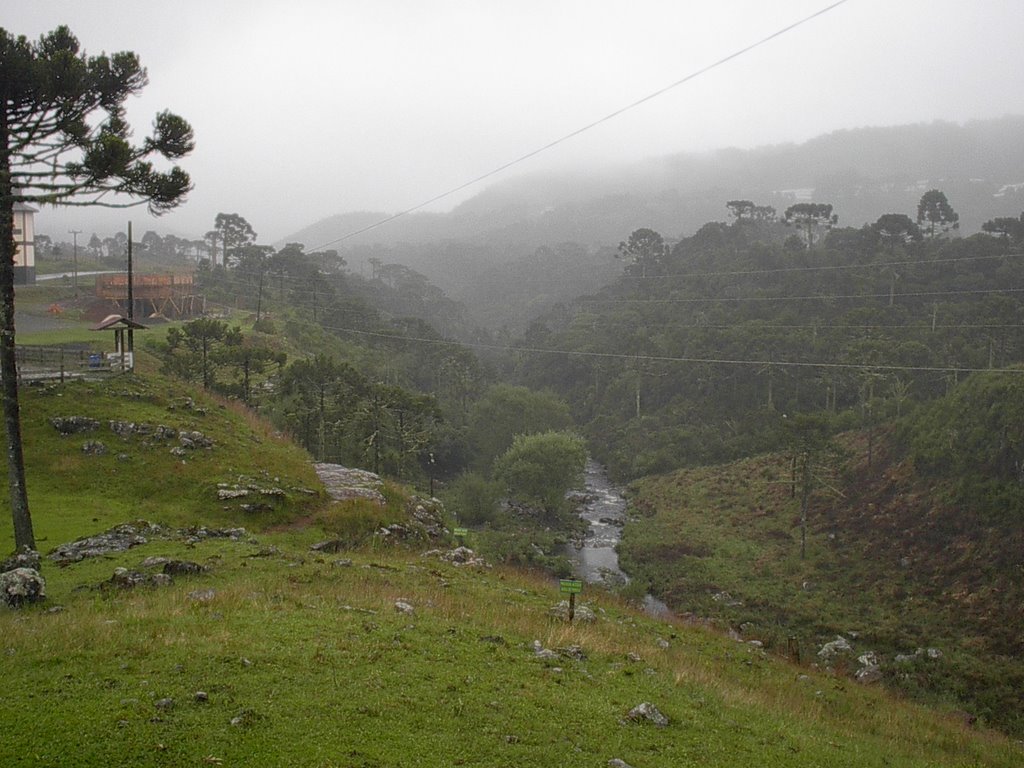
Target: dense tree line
x,y
366,386
701,351
377,382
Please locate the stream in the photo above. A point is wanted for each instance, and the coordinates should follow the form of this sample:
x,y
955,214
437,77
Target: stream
x,y
594,558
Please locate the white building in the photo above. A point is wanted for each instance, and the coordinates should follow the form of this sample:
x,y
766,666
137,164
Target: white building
x,y
24,244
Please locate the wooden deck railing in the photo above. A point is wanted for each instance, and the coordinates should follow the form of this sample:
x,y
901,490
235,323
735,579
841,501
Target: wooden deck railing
x,y
65,362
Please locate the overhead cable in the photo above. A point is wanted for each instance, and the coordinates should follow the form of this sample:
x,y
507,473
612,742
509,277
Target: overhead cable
x,y
588,126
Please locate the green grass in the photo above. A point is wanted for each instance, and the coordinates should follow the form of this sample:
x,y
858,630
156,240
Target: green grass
x,y
316,667
139,477
323,671
888,561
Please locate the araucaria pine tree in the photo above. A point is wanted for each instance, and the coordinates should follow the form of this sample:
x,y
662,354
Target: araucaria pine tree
x,y
64,140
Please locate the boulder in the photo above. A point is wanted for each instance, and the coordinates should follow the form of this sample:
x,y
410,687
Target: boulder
x,y
573,652
545,654
70,425
123,578
199,533
344,483
646,712
870,671
330,547
182,568
837,647
163,432
118,539
868,674
194,440
395,531
224,494
20,586
459,556
582,613
428,514
126,429
24,558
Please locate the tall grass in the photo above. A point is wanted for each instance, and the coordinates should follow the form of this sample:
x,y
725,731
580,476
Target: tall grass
x,y
318,668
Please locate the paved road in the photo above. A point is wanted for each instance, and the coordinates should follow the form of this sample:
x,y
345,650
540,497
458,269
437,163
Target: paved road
x,y
68,275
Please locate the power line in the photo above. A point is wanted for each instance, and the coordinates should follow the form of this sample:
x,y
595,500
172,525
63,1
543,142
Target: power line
x,y
668,359
905,263
589,126
812,297
821,267
231,278
672,359
303,295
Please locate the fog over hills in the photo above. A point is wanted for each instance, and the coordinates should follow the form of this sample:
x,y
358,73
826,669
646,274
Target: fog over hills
x,y
863,173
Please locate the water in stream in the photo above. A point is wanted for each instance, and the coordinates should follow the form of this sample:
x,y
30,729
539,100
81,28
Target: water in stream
x,y
595,560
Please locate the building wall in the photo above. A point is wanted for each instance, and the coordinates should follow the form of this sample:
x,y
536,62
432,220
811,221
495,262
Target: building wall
x,y
24,244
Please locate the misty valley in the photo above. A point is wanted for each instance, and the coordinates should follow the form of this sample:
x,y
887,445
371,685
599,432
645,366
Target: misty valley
x,y
347,474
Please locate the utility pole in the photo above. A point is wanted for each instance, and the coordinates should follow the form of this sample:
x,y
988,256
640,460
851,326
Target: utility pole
x,y
74,234
131,294
259,295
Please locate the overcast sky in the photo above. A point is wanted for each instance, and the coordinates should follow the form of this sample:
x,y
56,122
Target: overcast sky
x,y
309,108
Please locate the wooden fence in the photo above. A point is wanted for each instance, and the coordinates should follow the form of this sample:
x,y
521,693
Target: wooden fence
x,y
67,362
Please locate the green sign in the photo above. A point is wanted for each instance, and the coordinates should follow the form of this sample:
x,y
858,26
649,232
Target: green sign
x,y
570,586
461,531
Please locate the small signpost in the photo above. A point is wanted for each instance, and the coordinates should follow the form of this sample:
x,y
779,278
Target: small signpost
x,y
461,533
570,587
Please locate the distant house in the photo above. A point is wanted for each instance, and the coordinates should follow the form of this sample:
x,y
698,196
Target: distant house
x,y
24,244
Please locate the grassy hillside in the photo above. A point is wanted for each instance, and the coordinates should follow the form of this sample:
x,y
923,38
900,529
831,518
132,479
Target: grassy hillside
x,y
276,655
291,659
895,562
147,473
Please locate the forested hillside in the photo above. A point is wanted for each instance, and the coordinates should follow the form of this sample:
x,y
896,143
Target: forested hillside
x,y
906,543
702,351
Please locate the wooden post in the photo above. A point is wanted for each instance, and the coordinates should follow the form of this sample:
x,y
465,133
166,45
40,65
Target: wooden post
x,y
75,233
259,295
571,587
131,298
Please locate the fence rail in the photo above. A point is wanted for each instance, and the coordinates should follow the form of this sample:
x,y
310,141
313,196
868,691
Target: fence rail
x,y
66,362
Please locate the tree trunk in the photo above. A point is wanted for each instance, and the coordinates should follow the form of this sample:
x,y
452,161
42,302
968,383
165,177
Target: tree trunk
x,y
259,296
804,502
23,535
322,426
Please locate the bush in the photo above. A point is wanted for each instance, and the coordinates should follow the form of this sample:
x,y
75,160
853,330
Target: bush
x,y
473,499
539,469
265,325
